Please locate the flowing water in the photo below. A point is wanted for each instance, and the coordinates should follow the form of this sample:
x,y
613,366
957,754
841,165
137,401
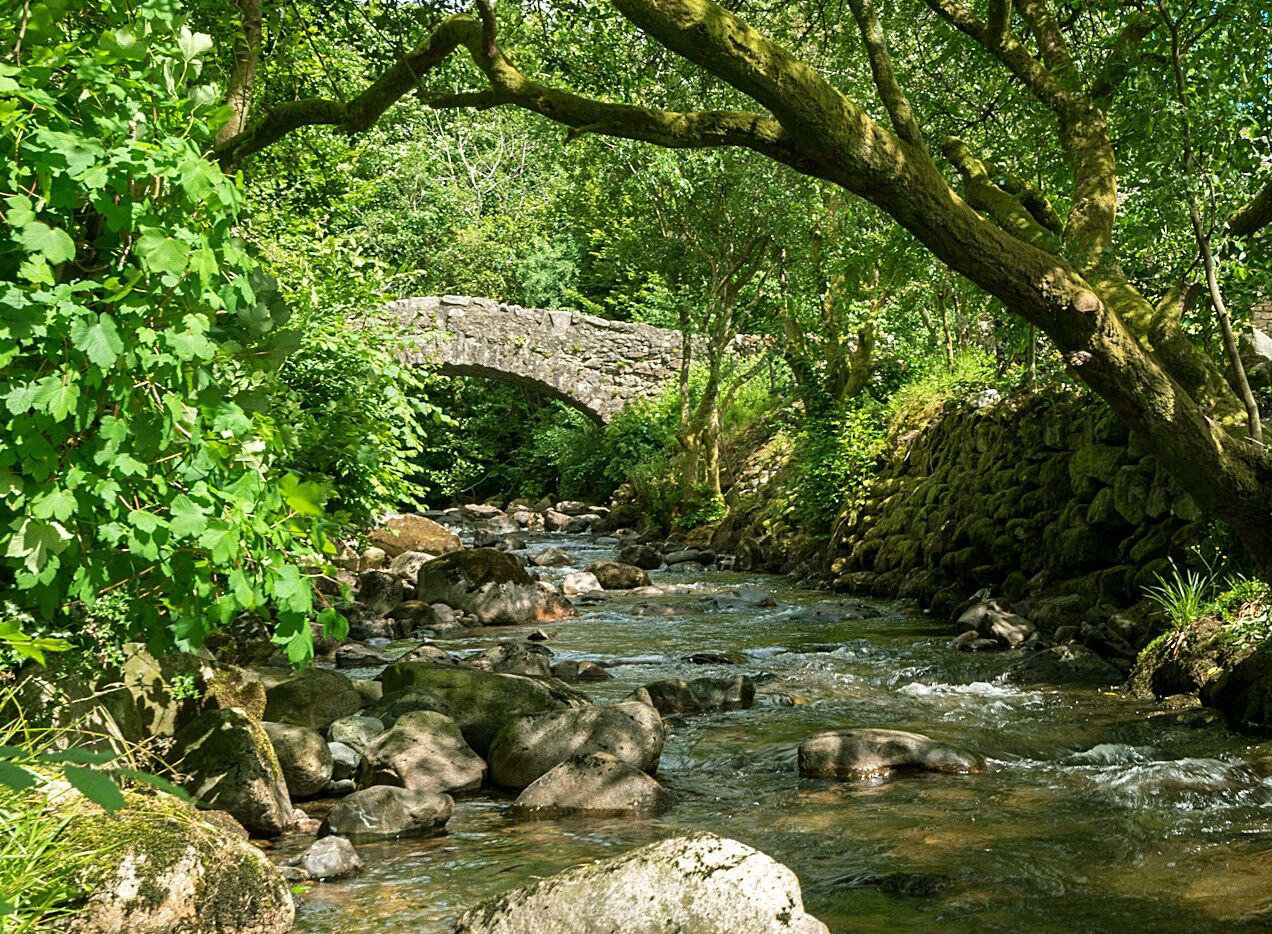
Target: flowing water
x,y
1097,813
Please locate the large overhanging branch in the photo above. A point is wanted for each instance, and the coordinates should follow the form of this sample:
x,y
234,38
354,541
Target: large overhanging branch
x,y
508,86
1254,216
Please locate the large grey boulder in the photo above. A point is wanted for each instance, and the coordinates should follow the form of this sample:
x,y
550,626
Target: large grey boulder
x,y
675,697
303,757
163,869
516,658
315,697
492,586
701,883
528,747
847,754
595,784
616,576
382,811
230,765
423,751
482,702
414,533
393,705
91,713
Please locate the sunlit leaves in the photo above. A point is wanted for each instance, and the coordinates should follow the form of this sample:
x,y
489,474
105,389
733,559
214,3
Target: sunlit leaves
x,y
139,441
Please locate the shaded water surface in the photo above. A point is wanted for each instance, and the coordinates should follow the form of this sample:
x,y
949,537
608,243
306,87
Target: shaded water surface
x,y
1097,813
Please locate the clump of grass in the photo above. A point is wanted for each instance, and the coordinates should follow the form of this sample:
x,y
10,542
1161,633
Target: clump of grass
x,y
39,768
1183,597
1242,604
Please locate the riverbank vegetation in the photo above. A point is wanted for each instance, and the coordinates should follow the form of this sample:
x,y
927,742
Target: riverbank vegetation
x,y
860,218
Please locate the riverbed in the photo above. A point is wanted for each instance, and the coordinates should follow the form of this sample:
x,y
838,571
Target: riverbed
x,y
1097,812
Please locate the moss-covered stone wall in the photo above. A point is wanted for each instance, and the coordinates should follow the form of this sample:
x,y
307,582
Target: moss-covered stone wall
x,y
1045,496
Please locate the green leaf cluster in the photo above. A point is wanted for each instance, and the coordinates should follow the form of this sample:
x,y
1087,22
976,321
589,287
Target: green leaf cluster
x,y
139,343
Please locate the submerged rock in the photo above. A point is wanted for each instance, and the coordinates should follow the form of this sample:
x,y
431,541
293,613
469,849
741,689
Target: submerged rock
x,y
163,869
700,883
528,747
1064,664
846,754
423,751
595,784
384,811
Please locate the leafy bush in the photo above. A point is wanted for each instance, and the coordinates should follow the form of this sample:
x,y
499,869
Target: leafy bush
x,y
140,344
836,456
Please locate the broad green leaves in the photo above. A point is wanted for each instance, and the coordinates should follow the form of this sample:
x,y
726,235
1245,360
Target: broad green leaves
x,y
139,345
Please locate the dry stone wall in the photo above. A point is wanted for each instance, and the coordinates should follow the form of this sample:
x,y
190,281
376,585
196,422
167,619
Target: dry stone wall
x,y
1051,495
596,365
1049,502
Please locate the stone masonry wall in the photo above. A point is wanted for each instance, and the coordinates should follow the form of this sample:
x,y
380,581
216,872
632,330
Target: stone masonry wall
x,y
1049,500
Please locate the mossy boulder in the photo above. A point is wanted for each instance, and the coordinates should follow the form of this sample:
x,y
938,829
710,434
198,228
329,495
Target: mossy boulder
x,y
216,686
594,784
1209,659
303,756
482,702
158,868
230,765
423,751
313,698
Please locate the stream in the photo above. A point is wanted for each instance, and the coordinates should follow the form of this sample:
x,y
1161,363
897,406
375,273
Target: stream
x,y
1097,813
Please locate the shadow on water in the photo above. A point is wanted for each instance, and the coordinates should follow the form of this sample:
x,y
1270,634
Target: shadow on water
x,y
1094,815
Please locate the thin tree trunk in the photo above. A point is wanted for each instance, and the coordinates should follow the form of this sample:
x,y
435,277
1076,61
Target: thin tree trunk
x,y
242,82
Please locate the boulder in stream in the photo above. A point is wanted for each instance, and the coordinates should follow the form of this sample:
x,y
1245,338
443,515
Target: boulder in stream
x,y
492,586
410,532
675,696
303,756
553,558
516,658
645,557
994,619
595,784
482,702
383,811
329,858
615,576
528,747
847,754
423,751
700,883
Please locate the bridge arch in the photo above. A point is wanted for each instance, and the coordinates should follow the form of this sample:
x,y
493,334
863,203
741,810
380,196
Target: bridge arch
x,y
596,365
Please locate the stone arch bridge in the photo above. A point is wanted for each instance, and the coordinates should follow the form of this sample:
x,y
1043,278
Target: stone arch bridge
x,y
593,364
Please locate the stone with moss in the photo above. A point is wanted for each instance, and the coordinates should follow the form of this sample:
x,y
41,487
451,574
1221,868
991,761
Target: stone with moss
x,y
482,702
171,690
156,867
313,698
230,764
